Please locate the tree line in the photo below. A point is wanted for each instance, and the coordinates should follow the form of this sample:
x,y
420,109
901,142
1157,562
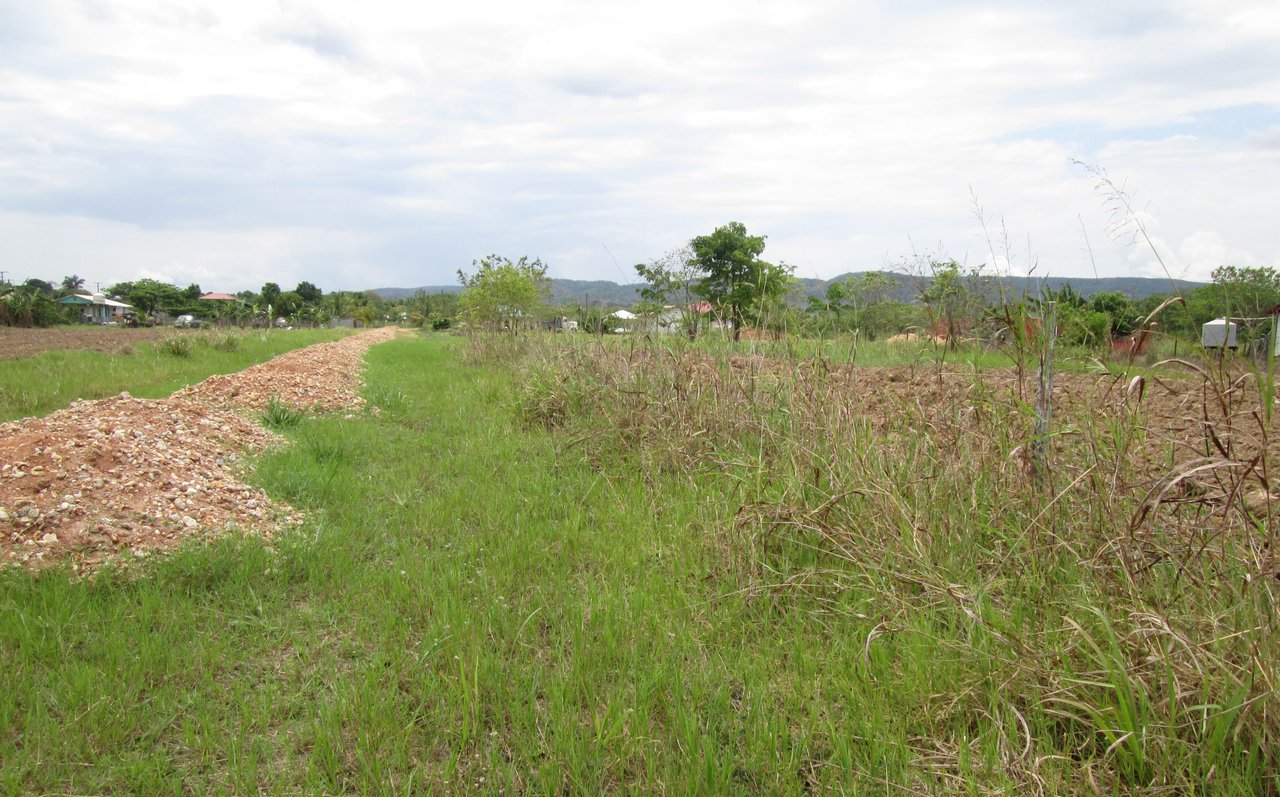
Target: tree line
x,y
722,279
34,302
718,279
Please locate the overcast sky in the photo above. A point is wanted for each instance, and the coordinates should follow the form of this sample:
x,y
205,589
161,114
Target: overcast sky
x,y
378,144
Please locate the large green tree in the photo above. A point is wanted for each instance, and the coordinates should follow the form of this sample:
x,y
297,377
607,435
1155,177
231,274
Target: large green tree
x,y
501,291
309,292
148,295
1243,291
269,293
737,283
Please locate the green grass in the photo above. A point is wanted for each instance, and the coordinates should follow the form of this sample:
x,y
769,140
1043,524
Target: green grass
x,y
35,386
484,605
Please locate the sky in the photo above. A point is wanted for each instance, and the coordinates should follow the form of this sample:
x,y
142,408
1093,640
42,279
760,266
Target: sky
x,y
388,144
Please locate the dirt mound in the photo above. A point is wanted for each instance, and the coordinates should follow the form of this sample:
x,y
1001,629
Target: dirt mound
x,y
129,476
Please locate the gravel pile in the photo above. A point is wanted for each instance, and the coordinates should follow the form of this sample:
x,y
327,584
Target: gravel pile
x,y
125,476
320,378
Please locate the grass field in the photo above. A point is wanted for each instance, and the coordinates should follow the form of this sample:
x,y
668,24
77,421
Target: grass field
x,y
578,570
50,381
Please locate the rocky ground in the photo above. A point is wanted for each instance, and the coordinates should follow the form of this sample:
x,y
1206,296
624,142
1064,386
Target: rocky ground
x,y
125,477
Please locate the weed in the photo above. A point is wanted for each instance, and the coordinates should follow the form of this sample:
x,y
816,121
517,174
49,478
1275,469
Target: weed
x,y
177,345
280,416
222,341
916,499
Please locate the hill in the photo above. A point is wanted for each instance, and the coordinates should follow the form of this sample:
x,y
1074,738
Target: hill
x,y
602,293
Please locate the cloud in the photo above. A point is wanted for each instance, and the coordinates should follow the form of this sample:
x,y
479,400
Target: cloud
x,y
406,141
307,29
1205,250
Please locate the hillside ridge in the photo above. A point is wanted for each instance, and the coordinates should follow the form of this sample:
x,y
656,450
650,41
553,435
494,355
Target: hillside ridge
x,y
603,293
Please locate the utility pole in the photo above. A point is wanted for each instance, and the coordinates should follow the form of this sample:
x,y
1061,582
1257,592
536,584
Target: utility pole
x,y
3,281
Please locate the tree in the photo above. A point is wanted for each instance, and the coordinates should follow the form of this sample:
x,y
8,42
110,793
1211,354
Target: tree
x,y
734,279
40,286
72,283
309,293
269,293
27,305
670,280
1246,292
847,303
287,304
1122,315
147,295
952,297
339,304
501,291
363,315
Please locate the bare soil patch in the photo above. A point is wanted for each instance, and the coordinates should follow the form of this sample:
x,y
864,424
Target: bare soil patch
x,y
17,342
125,476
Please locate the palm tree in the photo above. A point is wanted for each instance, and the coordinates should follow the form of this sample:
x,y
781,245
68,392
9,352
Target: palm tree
x,y
72,283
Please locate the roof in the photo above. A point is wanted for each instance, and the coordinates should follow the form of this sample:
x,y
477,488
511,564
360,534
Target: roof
x,y
82,298
220,297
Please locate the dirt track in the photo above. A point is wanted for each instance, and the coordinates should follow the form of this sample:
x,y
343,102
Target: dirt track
x,y
126,476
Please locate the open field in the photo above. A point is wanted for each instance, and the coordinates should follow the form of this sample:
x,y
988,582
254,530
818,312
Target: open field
x,y
18,342
560,567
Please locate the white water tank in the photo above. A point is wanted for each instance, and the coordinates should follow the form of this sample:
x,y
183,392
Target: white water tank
x,y
1218,333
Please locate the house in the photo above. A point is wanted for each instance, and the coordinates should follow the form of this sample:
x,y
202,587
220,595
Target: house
x,y
96,308
673,319
219,297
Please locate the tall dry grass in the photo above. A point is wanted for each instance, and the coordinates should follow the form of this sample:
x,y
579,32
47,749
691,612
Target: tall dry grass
x,y
1111,620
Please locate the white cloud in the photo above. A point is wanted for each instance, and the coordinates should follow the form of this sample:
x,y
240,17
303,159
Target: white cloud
x,y
378,143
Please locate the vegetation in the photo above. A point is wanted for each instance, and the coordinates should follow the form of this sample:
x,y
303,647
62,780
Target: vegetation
x,y
740,286
280,416
939,298
1080,633
669,281
28,305
674,569
502,293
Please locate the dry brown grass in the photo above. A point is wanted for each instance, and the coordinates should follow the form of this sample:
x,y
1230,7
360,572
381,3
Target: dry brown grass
x,y
1115,618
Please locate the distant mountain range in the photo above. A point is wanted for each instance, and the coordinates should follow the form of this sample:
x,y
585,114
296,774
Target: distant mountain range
x,y
602,293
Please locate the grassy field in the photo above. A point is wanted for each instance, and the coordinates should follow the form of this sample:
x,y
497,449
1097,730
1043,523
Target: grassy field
x,y
50,381
574,569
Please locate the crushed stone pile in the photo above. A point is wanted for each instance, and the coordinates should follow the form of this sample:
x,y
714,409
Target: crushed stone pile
x,y
123,477
320,378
